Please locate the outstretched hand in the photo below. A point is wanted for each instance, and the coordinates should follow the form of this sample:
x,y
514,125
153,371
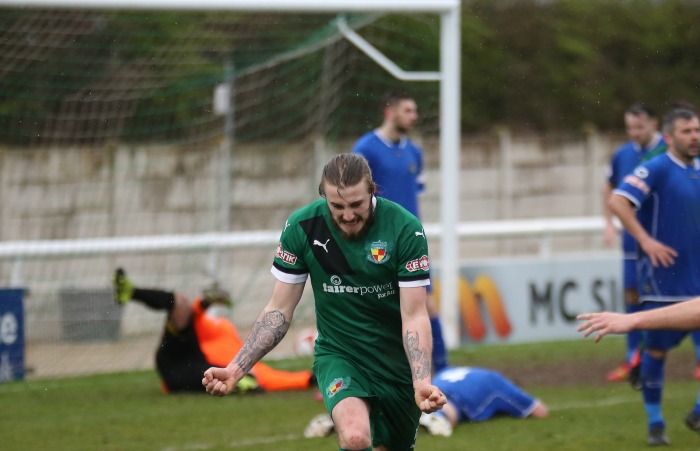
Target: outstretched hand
x,y
604,323
219,381
429,398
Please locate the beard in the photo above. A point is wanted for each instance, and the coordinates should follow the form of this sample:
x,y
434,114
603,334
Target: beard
x,y
350,236
402,129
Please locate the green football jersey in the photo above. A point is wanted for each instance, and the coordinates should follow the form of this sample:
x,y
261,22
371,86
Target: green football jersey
x,y
356,282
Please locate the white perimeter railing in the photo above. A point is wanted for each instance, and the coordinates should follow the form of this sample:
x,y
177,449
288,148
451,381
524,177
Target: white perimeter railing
x,y
544,228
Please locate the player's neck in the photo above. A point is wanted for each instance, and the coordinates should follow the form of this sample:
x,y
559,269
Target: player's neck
x,y
389,133
684,158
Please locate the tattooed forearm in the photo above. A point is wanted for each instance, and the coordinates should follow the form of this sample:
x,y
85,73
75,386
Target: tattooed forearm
x,y
418,358
268,331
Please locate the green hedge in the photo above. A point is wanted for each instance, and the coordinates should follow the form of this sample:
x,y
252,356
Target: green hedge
x,y
535,65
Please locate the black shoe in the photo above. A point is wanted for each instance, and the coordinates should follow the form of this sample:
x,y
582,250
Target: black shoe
x,y
657,437
692,420
635,377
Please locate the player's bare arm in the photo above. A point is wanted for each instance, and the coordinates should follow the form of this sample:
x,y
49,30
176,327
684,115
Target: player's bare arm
x,y
417,341
658,253
418,356
610,233
417,337
679,316
604,323
269,329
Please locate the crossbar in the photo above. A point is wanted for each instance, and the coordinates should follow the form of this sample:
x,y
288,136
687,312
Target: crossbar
x,y
330,6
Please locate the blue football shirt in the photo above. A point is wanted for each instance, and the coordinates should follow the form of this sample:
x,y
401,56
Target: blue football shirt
x,y
479,393
627,157
397,168
667,194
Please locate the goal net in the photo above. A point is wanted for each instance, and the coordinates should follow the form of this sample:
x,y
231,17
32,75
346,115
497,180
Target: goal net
x,y
119,124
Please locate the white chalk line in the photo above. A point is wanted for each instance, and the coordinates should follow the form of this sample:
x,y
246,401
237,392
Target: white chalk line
x,y
238,443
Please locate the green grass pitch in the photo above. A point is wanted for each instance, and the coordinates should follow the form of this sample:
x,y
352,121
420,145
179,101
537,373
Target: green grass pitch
x,y
126,411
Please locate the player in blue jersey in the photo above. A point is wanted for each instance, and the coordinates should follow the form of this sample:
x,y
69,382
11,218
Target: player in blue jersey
x,y
665,191
473,395
397,169
645,142
478,394
368,265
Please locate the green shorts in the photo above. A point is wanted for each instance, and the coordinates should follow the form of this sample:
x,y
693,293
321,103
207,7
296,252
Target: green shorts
x,y
394,414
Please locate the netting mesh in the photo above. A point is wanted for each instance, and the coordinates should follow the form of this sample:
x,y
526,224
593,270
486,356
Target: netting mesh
x,y
108,128
94,77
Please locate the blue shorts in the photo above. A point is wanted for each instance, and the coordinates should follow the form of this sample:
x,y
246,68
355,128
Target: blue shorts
x,y
662,339
629,274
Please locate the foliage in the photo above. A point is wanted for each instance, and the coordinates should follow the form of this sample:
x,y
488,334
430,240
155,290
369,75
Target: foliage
x,y
545,66
560,64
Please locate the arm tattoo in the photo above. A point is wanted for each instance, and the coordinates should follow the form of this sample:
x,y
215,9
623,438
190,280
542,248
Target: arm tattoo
x,y
268,331
418,358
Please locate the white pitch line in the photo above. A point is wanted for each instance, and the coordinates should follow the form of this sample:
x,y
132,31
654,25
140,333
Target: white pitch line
x,y
238,443
260,441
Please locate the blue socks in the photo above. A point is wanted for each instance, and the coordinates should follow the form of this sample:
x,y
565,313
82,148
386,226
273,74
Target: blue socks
x,y
634,338
696,343
696,409
653,378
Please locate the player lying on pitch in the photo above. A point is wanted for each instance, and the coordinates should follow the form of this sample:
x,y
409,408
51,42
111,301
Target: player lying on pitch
x,y
473,395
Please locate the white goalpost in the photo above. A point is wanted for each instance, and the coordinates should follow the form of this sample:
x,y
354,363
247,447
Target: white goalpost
x,y
447,75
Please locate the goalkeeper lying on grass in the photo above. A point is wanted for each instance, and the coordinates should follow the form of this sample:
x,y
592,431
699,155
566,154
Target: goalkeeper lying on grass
x,y
193,341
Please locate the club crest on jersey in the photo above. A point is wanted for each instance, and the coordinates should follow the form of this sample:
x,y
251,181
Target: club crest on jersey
x,y
379,252
337,385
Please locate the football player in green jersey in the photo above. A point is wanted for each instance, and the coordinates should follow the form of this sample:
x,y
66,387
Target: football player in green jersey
x,y
367,258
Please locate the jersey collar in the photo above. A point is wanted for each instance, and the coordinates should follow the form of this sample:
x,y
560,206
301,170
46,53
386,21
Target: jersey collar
x,y
652,144
696,163
390,144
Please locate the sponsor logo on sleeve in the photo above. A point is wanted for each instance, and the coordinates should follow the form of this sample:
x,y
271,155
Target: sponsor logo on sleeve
x,y
285,256
637,182
419,264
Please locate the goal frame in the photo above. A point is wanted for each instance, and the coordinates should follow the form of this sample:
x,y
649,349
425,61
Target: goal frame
x,y
450,94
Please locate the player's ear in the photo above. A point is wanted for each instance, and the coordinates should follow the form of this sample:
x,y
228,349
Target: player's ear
x,y
387,111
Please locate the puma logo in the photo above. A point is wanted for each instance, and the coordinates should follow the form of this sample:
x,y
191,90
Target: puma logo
x,y
420,234
323,245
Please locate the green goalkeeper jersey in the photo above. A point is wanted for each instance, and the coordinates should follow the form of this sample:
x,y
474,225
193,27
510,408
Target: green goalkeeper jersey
x,y
356,282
